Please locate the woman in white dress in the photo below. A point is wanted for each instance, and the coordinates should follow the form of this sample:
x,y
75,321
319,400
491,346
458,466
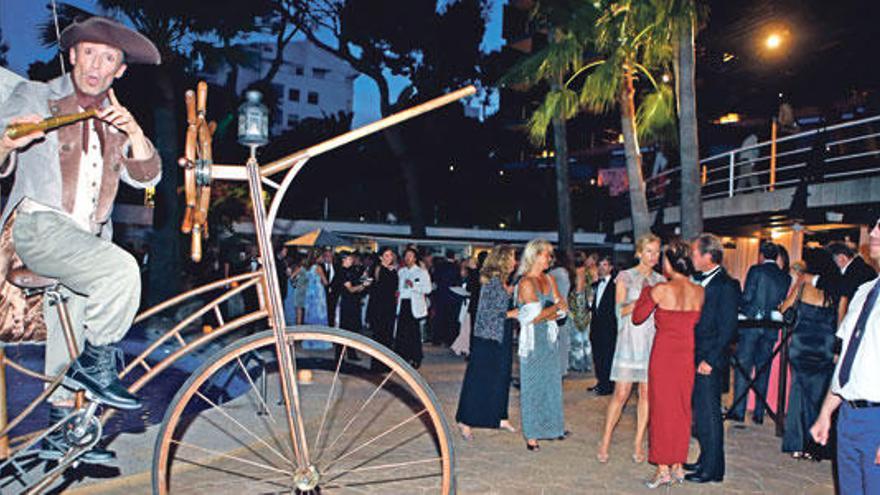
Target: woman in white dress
x,y
630,364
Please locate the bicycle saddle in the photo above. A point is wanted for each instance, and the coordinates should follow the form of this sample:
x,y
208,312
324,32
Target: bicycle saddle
x,y
26,279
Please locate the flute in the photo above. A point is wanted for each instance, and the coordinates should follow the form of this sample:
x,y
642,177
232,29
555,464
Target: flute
x,y
23,128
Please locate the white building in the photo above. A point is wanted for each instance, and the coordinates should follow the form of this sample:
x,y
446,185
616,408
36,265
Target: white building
x,y
311,82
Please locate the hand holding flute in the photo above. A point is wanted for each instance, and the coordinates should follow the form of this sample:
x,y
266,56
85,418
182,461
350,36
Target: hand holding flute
x,y
8,144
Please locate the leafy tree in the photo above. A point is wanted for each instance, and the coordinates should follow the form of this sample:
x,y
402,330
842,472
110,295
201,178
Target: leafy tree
x,y
435,45
555,67
595,54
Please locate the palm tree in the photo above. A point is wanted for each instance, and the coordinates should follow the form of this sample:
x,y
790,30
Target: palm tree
x,y
554,67
677,22
628,40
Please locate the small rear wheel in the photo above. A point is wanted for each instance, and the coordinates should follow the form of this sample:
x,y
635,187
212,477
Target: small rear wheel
x,y
226,431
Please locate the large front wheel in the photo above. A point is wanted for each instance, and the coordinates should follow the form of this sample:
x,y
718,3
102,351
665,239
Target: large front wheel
x,y
376,431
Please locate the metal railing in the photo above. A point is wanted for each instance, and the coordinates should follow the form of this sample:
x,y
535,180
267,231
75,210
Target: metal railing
x,y
829,153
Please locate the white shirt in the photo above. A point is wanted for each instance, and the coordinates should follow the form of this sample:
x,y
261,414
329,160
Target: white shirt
x,y
864,378
421,286
600,288
88,183
710,275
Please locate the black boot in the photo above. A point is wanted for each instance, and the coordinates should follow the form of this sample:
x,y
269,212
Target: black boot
x,y
55,445
95,372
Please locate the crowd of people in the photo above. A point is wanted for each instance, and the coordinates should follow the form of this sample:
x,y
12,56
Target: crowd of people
x,y
632,327
647,325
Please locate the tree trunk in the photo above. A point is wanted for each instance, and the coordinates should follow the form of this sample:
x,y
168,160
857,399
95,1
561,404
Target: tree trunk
x,y
689,147
641,219
563,192
164,265
411,180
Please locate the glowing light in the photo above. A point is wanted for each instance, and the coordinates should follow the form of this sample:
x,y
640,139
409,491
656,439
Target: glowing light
x,y
452,168
666,78
727,57
502,225
729,118
774,41
501,173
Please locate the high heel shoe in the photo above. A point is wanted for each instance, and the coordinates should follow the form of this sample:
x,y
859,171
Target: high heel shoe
x,y
602,457
678,478
504,425
658,481
533,447
638,458
466,432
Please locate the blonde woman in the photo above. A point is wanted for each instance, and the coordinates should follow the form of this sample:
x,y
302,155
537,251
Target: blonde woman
x,y
485,390
630,364
539,306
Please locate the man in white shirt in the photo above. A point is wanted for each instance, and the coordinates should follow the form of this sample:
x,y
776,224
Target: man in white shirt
x,y
414,283
855,390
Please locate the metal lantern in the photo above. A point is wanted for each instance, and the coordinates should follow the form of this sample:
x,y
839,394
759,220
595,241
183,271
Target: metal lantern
x,y
253,120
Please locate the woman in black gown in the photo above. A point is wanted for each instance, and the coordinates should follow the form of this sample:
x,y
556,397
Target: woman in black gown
x,y
811,353
485,391
383,298
353,287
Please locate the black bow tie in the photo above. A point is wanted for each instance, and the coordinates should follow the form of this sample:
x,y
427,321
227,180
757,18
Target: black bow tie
x,y
700,276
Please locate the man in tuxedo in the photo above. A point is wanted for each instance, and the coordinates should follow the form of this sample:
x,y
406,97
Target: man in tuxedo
x,y
334,285
766,288
603,327
854,271
712,336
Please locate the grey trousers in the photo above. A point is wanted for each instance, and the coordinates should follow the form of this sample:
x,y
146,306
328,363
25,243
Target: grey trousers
x,y
101,279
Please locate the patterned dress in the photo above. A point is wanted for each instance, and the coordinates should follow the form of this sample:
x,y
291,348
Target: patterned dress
x,y
541,384
580,355
634,342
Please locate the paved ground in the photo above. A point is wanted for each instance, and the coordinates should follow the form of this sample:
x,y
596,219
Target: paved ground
x,y
497,462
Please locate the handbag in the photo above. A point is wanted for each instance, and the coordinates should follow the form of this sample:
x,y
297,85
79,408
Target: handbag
x,y
789,317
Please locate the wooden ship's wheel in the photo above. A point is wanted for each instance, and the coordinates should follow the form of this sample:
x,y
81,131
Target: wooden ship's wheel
x,y
196,164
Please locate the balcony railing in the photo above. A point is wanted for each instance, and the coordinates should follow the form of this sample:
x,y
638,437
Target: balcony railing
x,y
836,152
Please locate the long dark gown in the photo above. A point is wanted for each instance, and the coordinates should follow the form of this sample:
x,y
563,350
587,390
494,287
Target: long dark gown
x,y
383,304
812,363
485,392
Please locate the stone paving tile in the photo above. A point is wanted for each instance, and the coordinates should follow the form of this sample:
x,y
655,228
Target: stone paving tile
x,y
497,462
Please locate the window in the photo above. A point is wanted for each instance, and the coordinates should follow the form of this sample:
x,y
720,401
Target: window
x,y
299,70
292,120
313,98
293,94
319,73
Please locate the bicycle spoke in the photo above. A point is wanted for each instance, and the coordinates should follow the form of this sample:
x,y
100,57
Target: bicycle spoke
x,y
381,466
244,428
330,394
265,406
229,456
247,478
377,437
254,388
354,417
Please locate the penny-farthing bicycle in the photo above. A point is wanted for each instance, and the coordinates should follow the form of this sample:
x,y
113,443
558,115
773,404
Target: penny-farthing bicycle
x,y
264,414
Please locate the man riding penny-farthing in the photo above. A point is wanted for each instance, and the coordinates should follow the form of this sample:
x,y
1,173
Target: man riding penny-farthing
x,y
226,429
59,214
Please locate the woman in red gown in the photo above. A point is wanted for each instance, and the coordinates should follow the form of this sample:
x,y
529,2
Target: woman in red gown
x,y
676,305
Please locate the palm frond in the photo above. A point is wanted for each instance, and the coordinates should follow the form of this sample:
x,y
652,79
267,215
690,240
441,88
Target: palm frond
x,y
528,71
562,103
599,92
655,116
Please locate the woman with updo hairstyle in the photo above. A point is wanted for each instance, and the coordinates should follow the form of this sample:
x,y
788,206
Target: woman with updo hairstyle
x,y
630,363
675,306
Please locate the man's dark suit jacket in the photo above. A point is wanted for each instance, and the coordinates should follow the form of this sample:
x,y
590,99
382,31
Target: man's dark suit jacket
x,y
845,285
718,321
766,288
604,319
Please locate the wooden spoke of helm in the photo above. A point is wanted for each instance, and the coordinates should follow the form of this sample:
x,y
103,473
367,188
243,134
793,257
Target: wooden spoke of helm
x,y
197,162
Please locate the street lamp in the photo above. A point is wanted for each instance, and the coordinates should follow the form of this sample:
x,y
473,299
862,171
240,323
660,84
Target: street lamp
x,y
773,41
